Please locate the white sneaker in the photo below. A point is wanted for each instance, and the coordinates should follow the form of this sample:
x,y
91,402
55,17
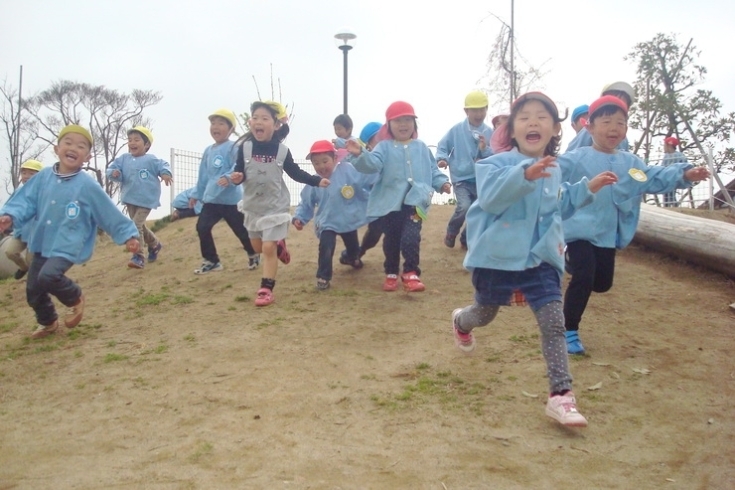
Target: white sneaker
x,y
563,409
253,261
208,266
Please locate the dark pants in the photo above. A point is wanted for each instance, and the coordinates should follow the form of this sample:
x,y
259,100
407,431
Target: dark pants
x,y
402,236
210,216
46,277
327,244
372,235
186,212
465,193
592,269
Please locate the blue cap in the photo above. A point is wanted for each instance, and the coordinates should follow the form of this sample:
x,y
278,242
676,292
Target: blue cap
x,y
576,113
370,130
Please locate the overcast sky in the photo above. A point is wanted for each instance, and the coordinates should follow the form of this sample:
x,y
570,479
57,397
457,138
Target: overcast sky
x,y
203,55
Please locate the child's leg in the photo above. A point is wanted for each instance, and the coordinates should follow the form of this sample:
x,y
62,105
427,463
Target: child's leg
x,y
184,213
270,259
234,219
352,245
550,320
475,315
471,188
462,193
411,241
392,227
46,277
327,244
604,269
210,215
582,264
15,252
139,215
372,235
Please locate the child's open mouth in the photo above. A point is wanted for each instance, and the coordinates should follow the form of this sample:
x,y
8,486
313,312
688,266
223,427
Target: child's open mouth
x,y
533,137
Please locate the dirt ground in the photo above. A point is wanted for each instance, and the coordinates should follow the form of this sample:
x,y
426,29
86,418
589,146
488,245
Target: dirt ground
x,y
177,381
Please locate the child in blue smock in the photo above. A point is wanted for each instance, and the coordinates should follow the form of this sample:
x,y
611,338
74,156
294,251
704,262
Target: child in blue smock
x,y
594,233
515,240
464,144
138,172
621,90
181,205
672,155
343,126
407,178
219,195
68,207
17,246
341,208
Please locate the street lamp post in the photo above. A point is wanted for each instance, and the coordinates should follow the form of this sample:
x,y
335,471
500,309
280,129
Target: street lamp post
x,y
345,35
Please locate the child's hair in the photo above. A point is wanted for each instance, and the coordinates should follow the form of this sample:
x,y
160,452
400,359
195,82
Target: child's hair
x,y
607,105
607,110
345,121
552,149
144,133
281,131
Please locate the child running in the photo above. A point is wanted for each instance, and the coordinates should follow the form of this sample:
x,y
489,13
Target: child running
x,y
516,243
68,206
594,233
459,149
341,208
261,161
218,194
138,173
181,205
621,90
17,248
407,178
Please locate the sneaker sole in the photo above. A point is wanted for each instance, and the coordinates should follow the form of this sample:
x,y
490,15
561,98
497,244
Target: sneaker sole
x,y
580,423
466,349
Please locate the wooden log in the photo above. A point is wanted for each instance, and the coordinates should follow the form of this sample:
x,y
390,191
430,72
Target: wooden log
x,y
706,242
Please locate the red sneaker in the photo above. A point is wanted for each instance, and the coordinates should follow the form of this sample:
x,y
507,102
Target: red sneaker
x,y
264,297
282,251
412,283
391,283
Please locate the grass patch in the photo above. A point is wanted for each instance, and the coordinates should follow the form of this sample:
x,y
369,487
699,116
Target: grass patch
x,y
152,299
160,224
8,327
114,357
204,449
182,300
242,299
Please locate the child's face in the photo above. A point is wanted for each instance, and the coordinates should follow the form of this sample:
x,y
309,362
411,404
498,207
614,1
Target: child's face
x,y
579,123
136,145
476,116
26,174
500,120
608,131
219,129
402,128
533,129
341,131
667,148
262,124
73,151
323,164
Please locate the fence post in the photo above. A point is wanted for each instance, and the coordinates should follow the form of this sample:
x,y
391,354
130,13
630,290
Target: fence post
x,y
171,194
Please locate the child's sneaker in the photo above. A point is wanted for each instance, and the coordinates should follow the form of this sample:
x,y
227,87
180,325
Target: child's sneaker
x,y
450,240
253,261
574,344
390,283
19,274
282,251
153,252
322,284
45,330
464,341
136,262
208,266
412,283
264,297
74,314
563,409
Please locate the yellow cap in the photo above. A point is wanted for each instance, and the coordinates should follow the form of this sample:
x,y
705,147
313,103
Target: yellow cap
x,y
75,128
475,100
144,131
227,114
278,107
32,165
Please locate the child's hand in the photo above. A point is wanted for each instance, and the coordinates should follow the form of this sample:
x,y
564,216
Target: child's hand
x,y
192,203
538,169
446,188
236,177
696,174
324,183
298,224
223,181
353,147
5,222
601,180
482,144
115,174
167,179
133,245
442,164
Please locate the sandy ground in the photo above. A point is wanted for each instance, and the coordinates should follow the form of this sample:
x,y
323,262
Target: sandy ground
x,y
177,381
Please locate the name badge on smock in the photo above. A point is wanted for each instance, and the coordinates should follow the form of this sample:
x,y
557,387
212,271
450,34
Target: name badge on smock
x,y
638,174
348,192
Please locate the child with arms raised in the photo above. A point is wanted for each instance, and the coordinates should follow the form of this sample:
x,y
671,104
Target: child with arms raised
x,y
68,207
261,161
594,233
516,243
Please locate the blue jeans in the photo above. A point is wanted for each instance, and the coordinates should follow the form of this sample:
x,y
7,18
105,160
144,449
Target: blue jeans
x,y
466,193
46,277
540,285
327,244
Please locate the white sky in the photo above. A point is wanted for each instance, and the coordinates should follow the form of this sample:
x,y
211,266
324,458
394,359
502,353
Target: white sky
x,y
203,55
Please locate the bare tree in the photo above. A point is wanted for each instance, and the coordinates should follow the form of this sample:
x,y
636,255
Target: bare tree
x,y
245,116
17,127
108,114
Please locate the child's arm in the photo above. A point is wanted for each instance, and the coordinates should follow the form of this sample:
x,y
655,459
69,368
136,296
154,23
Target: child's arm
x,y
299,175
21,206
367,162
164,171
500,186
305,210
485,150
114,171
444,150
198,190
